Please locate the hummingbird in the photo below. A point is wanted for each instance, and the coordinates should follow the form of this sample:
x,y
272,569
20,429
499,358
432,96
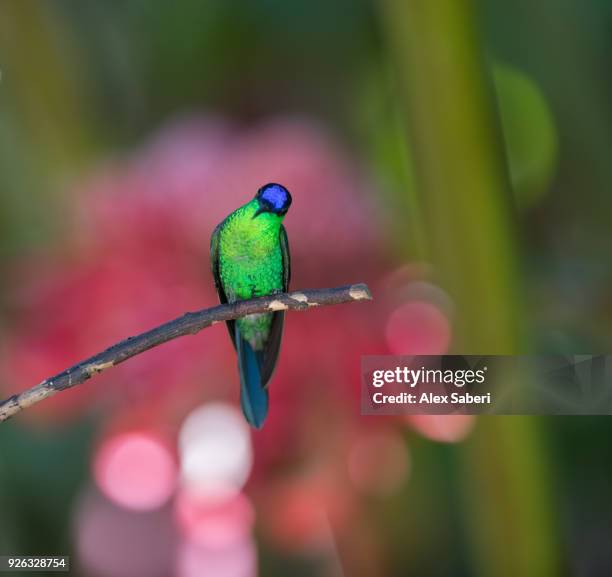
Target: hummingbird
x,y
249,255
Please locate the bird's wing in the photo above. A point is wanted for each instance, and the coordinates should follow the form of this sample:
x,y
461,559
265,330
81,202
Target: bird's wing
x,y
284,242
214,264
272,348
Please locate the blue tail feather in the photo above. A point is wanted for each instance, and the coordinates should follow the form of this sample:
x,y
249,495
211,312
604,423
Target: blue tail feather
x,y
253,396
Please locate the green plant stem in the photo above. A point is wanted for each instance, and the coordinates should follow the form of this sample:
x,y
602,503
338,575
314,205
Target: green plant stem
x,y
44,79
462,180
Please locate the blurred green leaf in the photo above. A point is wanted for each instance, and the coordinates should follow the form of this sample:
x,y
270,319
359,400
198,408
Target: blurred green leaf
x,y
529,134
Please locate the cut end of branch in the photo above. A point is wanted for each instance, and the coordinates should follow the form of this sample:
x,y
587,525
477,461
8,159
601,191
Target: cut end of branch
x,y
360,292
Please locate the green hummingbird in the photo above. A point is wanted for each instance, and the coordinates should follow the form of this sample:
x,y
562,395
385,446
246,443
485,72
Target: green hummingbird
x,y
249,255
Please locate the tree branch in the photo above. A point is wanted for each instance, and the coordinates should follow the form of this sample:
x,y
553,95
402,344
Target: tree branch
x,y
188,324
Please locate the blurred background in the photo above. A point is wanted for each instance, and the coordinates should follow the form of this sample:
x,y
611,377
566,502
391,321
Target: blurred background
x,y
453,154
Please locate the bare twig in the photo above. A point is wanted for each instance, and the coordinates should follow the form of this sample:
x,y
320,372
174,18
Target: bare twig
x,y
188,324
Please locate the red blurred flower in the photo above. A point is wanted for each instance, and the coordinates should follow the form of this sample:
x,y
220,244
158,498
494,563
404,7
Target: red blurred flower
x,y
137,255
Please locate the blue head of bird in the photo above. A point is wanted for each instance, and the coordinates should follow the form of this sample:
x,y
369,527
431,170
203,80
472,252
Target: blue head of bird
x,y
273,198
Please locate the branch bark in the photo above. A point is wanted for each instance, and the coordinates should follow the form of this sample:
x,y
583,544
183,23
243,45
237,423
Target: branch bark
x,y
188,324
